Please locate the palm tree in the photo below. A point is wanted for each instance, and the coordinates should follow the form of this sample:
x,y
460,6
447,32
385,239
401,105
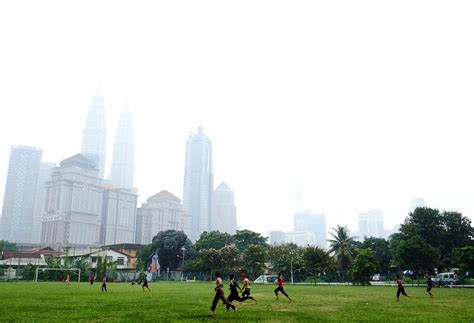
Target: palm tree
x,y
342,245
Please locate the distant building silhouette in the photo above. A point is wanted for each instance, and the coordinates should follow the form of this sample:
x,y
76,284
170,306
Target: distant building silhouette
x,y
276,237
20,194
371,225
161,212
94,134
198,182
300,238
73,204
415,203
314,223
123,162
223,217
46,170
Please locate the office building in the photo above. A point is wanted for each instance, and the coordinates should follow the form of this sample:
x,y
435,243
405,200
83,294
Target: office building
x,y
223,217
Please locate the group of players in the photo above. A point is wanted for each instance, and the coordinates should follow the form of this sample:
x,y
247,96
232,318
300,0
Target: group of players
x,y
234,291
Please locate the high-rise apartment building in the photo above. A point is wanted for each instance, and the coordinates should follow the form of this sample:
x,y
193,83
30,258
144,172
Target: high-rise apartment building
x,y
73,204
119,209
123,162
198,182
46,170
94,134
276,237
161,212
223,215
371,224
20,194
300,238
416,203
314,223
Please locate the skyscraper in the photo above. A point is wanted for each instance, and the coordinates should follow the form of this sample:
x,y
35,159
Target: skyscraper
x,y
223,217
371,224
73,204
198,182
314,223
94,135
20,194
46,170
123,168
415,203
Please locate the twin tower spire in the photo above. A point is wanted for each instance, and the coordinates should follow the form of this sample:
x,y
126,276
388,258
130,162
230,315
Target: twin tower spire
x,y
94,144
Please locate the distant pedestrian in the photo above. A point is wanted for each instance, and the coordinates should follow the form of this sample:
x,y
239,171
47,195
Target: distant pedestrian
x,y
145,284
219,295
401,289
67,280
91,278
246,292
104,283
429,285
279,281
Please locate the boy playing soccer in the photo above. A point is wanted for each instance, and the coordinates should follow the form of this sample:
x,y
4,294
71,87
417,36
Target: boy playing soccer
x,y
219,295
280,287
401,289
246,292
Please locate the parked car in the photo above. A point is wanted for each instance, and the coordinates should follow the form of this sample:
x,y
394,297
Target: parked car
x,y
445,279
379,277
266,279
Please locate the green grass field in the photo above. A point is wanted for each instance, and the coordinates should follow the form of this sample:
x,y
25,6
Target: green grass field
x,y
191,301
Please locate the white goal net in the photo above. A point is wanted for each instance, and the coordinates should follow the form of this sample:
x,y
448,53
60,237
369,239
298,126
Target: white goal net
x,y
57,274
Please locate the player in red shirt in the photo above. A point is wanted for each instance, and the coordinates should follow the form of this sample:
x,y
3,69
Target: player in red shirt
x,y
280,287
401,289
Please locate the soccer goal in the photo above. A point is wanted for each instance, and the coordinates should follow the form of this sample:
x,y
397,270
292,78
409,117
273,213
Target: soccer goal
x,y
66,271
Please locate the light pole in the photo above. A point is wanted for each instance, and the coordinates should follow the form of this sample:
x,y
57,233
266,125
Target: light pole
x,y
291,264
183,249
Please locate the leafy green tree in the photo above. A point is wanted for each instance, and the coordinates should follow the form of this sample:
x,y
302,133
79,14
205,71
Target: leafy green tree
x,y
253,259
245,238
417,255
144,256
7,246
286,257
382,252
168,246
225,259
213,239
364,266
464,258
317,260
342,245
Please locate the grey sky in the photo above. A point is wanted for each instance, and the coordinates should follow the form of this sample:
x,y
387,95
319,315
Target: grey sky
x,y
360,104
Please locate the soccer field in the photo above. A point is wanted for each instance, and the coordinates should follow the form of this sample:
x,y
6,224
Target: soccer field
x,y
186,302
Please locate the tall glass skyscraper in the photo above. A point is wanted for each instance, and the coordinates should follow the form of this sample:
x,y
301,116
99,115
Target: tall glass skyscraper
x,y
94,134
20,194
198,182
223,217
123,168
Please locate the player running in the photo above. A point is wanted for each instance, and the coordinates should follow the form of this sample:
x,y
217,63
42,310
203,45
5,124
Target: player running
x,y
68,279
280,287
246,292
145,284
219,295
429,285
104,283
401,289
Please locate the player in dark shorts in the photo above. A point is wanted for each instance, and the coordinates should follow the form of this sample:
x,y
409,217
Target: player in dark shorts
x,y
246,292
219,295
280,287
104,284
145,284
234,291
429,285
401,289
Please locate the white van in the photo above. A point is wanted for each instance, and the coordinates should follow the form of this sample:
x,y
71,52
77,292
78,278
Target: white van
x,y
266,279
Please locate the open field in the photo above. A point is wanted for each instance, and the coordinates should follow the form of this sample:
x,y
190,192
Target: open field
x,y
176,301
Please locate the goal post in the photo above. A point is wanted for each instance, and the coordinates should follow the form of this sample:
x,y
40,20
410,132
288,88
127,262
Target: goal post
x,y
58,269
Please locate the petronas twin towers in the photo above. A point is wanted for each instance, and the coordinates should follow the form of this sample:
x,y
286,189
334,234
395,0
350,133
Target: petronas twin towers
x,y
94,144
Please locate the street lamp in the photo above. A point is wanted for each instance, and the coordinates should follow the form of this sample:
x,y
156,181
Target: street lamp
x,y
183,249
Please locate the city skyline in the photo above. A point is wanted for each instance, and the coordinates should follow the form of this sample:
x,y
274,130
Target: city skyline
x,y
356,110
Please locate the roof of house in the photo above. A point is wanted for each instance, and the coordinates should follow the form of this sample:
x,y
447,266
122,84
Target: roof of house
x,y
164,195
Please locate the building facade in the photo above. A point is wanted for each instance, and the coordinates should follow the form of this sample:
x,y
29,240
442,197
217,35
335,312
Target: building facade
x,y
123,162
223,216
119,210
416,203
20,194
46,170
161,212
300,238
315,223
94,134
73,204
198,182
371,224
276,237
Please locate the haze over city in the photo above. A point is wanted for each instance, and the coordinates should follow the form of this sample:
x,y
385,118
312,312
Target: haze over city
x,y
354,110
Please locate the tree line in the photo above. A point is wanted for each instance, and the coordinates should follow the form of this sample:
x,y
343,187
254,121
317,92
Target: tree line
x,y
428,240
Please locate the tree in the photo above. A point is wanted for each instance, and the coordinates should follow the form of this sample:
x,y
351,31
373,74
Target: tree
x,y
316,260
464,258
364,266
7,246
245,238
213,239
225,259
253,259
417,255
287,258
382,252
168,246
342,245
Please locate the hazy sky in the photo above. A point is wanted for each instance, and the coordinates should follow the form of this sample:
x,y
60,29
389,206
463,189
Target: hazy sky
x,y
358,104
